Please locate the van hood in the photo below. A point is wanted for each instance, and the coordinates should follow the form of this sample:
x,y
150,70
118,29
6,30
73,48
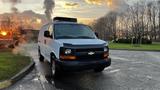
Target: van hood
x,y
81,41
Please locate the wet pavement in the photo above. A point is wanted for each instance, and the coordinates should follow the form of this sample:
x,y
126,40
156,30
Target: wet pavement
x,y
130,70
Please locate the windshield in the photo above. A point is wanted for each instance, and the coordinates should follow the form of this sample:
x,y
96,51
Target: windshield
x,y
73,31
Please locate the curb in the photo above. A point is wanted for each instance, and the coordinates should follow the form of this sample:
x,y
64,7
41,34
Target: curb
x,y
137,50
18,76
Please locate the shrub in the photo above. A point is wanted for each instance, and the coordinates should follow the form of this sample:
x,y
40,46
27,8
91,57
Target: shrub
x,y
134,41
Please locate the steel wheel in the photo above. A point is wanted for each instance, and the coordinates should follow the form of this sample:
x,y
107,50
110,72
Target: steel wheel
x,y
53,68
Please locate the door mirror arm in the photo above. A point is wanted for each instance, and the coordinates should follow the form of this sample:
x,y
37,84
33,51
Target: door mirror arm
x,y
96,34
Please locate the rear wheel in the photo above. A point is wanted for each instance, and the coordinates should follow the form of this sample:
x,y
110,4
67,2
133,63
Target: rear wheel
x,y
100,69
41,58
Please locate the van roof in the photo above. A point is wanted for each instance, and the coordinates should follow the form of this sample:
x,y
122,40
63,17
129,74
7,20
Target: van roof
x,y
64,22
67,19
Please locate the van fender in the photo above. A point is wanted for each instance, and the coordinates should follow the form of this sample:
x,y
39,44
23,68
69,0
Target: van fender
x,y
52,56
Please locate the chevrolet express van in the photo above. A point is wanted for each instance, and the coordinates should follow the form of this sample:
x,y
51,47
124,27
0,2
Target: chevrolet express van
x,y
69,46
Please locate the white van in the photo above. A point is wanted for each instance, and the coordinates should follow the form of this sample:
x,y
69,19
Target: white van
x,y
69,46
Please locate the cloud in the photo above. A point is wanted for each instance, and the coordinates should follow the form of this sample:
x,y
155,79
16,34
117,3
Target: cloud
x,y
70,5
95,2
113,5
116,4
109,3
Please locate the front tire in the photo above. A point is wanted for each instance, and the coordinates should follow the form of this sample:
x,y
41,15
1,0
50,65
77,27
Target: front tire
x,y
54,69
41,58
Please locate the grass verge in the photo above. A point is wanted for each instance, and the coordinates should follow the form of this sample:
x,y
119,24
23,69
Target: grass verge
x,y
4,84
11,64
147,47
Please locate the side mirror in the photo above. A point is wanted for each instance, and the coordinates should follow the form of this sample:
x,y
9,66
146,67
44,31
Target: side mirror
x,y
96,34
47,34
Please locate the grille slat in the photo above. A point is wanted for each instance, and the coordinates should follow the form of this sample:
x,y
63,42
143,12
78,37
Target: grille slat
x,y
89,50
82,54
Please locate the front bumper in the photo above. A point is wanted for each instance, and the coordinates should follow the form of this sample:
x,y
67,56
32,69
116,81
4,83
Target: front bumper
x,y
80,66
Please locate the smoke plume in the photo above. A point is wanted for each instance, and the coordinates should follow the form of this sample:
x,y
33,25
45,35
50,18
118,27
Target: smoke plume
x,y
14,10
14,3
49,6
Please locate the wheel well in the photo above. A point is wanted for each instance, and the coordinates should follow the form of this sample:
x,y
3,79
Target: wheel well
x,y
53,56
39,48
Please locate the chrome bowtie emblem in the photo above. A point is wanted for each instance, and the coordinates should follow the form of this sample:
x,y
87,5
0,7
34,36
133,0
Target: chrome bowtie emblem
x,y
91,53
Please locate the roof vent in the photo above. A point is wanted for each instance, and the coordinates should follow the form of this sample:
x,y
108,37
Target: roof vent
x,y
66,19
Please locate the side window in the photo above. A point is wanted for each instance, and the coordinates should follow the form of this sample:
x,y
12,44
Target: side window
x,y
45,27
50,29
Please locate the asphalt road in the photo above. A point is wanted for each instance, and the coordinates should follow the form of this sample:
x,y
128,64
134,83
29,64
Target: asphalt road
x,y
130,70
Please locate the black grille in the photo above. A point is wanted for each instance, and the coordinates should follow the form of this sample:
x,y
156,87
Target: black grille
x,y
90,58
89,50
82,54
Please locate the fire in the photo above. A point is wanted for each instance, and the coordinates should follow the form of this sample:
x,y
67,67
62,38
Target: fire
x,y
39,21
3,33
109,3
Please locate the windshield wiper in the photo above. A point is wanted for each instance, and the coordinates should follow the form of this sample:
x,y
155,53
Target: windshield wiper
x,y
85,37
65,37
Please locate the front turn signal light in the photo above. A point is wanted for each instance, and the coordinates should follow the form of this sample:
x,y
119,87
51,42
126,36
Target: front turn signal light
x,y
106,54
63,57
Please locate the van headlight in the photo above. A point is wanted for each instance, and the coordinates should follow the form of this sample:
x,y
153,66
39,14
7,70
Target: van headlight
x,y
67,54
68,51
106,52
106,49
65,51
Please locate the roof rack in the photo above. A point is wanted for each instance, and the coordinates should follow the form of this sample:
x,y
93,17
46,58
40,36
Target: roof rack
x,y
67,19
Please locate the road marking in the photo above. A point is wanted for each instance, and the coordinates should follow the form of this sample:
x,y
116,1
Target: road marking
x,y
114,71
42,80
123,59
35,79
149,77
20,87
153,55
107,68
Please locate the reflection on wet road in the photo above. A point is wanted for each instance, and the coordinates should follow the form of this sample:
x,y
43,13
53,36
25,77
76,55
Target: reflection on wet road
x,y
130,70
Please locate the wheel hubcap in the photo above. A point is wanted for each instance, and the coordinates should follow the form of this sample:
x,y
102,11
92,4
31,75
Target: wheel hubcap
x,y
53,68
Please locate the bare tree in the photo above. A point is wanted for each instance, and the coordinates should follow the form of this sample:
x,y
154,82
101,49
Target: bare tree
x,y
140,20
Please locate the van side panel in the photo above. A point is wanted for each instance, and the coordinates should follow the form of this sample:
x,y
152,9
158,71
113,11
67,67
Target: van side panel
x,y
42,41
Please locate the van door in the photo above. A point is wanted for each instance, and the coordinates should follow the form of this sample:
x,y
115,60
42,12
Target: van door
x,y
49,41
43,41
